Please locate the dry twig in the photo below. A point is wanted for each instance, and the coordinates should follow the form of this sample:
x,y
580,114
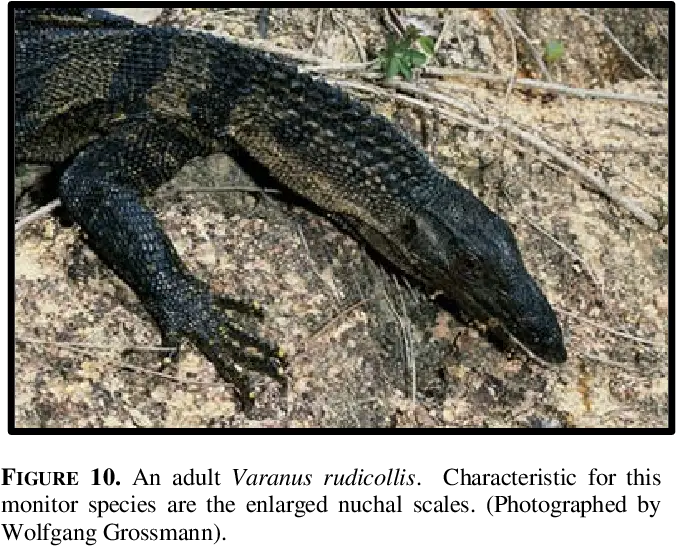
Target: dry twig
x,y
331,323
617,42
320,65
445,28
318,30
618,333
515,61
96,346
404,324
345,28
549,87
36,214
392,22
589,179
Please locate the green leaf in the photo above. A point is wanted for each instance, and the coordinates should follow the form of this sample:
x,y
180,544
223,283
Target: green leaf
x,y
399,57
427,44
554,51
405,69
415,57
392,68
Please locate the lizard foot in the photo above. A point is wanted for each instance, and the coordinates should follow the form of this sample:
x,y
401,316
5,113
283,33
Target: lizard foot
x,y
191,310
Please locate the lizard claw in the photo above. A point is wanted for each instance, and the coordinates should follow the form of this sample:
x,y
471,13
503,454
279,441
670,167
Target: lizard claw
x,y
191,310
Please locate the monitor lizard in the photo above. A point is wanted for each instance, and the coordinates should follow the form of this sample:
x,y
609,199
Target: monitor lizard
x,y
121,107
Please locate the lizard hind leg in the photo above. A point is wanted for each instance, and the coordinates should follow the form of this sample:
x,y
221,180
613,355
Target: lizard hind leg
x,y
102,189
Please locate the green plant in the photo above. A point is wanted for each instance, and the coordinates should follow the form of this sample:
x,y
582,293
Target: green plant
x,y
400,56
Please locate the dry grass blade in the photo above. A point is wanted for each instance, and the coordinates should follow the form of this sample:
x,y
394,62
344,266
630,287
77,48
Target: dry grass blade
x,y
36,215
617,42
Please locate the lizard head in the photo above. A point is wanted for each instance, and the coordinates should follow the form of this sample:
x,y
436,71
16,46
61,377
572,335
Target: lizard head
x,y
471,256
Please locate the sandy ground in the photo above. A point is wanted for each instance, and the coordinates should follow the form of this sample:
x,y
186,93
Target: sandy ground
x,y
368,350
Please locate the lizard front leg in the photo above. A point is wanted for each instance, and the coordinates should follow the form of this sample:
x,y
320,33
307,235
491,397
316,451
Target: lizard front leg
x,y
102,192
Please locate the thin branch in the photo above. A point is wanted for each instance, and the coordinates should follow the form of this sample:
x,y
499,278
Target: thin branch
x,y
433,96
515,61
360,49
528,83
530,151
625,366
617,42
405,328
618,333
405,324
96,346
502,17
338,67
223,189
592,160
318,30
589,179
86,348
36,214
534,53
551,87
458,32
321,65
392,22
146,371
443,33
331,323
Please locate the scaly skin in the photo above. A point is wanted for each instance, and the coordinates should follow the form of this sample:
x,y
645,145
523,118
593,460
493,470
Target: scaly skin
x,y
125,106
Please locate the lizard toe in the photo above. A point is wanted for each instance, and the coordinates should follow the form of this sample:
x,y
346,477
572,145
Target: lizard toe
x,y
219,326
